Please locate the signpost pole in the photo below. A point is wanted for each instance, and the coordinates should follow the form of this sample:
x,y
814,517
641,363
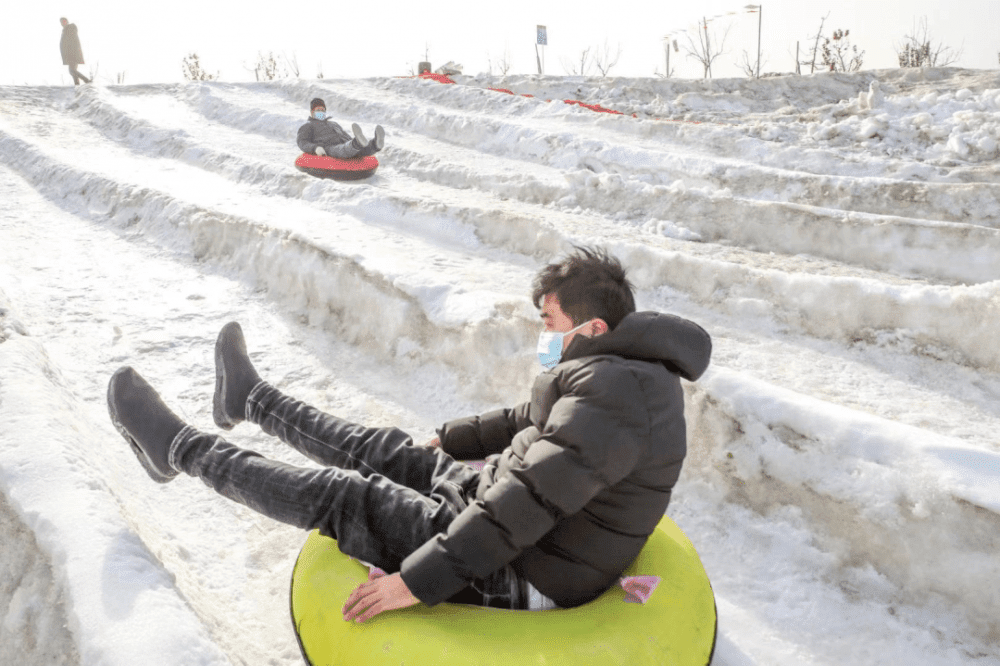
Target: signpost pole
x,y
542,39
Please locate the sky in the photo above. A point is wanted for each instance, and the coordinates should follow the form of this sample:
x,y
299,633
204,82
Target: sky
x,y
146,43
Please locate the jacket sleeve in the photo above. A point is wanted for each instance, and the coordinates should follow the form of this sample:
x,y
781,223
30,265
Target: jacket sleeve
x,y
305,139
475,437
594,437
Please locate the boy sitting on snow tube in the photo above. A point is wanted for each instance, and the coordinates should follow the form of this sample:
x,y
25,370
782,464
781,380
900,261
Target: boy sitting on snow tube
x,y
575,480
321,136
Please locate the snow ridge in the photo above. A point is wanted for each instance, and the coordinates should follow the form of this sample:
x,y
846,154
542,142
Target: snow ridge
x,y
841,246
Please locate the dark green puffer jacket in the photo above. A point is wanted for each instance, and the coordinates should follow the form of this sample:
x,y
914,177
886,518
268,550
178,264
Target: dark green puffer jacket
x,y
320,133
576,479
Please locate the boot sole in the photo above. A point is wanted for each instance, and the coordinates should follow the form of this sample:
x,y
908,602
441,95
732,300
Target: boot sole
x,y
154,473
359,135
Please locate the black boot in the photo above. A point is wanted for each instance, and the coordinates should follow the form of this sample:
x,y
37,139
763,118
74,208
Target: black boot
x,y
144,421
235,377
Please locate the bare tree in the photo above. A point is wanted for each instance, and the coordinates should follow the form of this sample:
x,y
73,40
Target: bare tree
x,y
193,71
604,60
319,70
815,49
919,50
120,78
267,67
585,63
502,64
748,65
839,55
660,75
708,48
291,64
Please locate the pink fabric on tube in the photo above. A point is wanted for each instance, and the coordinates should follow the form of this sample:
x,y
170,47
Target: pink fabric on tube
x,y
638,589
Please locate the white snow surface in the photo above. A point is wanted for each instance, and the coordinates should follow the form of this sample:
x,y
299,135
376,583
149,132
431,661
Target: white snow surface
x,y
839,238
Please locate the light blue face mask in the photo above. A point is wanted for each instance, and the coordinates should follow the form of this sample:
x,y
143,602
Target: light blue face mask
x,y
550,346
320,115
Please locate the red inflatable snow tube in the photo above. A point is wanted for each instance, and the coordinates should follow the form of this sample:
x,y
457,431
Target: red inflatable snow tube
x,y
331,167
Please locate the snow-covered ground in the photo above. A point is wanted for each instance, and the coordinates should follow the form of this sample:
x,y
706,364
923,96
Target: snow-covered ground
x,y
839,240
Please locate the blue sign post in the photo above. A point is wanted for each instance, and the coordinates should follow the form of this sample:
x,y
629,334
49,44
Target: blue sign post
x,y
541,39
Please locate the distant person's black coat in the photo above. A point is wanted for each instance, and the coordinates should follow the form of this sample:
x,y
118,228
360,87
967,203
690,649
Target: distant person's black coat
x,y
69,45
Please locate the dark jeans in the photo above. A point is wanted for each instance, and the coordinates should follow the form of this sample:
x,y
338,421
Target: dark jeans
x,y
376,493
342,151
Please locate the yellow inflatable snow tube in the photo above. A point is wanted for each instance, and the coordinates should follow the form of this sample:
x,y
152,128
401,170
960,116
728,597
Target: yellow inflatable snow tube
x,y
677,625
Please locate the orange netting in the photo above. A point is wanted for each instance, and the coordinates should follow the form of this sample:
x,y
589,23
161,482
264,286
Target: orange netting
x,y
593,107
441,78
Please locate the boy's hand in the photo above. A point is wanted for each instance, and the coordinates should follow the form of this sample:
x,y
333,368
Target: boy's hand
x,y
376,596
433,443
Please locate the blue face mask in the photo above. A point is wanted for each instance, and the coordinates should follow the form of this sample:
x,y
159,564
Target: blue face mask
x,y
320,115
550,346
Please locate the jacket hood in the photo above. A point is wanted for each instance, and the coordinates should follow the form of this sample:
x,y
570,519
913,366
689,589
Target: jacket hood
x,y
681,345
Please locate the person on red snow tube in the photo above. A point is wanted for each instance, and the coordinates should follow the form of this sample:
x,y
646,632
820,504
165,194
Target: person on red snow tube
x,y
321,136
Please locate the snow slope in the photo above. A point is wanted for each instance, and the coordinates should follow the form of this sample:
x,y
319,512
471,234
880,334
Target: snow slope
x,y
839,240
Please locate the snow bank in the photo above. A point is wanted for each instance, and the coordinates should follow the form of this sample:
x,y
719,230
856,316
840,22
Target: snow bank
x,y
940,321
878,492
119,601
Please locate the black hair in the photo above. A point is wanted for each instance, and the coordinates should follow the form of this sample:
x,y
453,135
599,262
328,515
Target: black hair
x,y
316,102
589,283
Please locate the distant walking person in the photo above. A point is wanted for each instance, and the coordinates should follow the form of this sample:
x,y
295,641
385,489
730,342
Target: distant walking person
x,y
72,52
